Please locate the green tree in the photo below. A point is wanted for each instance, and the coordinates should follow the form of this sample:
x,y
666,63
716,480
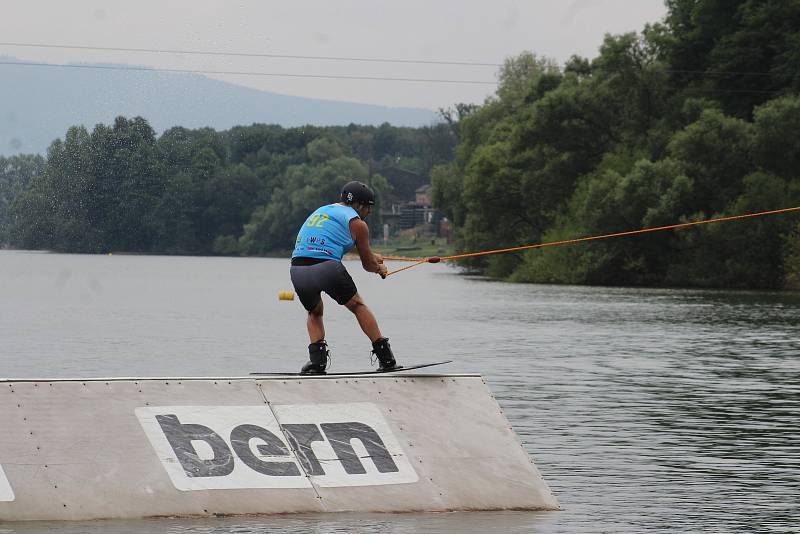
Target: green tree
x,y
126,181
718,153
16,173
97,192
792,255
652,194
777,145
743,52
231,198
176,215
738,254
305,187
484,186
178,147
53,213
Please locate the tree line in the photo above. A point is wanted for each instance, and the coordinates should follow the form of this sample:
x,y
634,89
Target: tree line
x,y
242,191
692,118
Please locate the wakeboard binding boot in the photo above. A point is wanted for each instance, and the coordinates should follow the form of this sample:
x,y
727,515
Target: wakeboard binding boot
x,y
383,352
318,356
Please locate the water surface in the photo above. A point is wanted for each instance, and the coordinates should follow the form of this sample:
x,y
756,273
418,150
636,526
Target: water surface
x,y
644,409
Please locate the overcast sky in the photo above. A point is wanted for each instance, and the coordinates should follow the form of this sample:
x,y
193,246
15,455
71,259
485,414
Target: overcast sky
x,y
481,31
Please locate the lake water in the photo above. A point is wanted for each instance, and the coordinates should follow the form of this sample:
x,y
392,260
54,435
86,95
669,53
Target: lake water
x,y
644,409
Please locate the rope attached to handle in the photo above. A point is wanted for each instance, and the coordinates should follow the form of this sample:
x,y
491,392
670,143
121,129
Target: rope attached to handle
x,y
437,259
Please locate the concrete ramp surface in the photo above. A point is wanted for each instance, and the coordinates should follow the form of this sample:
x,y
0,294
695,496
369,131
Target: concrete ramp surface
x,y
131,448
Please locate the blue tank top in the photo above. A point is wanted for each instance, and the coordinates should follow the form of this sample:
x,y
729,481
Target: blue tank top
x,y
326,233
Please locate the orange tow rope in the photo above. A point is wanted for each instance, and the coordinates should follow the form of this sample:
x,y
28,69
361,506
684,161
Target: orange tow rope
x,y
437,259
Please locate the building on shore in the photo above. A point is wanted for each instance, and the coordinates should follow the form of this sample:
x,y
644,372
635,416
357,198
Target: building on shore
x,y
415,218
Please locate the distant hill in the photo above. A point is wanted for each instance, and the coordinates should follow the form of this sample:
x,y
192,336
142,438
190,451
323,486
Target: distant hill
x,y
38,104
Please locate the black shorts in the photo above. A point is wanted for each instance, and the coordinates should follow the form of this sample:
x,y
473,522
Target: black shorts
x,y
329,276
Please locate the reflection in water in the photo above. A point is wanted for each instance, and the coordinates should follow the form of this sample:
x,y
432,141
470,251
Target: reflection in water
x,y
644,409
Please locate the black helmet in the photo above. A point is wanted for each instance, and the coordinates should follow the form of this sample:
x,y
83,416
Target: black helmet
x,y
358,192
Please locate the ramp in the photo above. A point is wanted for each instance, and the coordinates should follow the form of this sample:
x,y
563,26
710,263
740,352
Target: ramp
x,y
132,448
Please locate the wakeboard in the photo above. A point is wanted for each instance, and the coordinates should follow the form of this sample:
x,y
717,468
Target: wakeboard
x,y
372,372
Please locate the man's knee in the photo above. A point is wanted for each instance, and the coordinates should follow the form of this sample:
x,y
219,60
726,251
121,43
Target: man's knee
x,y
316,310
354,303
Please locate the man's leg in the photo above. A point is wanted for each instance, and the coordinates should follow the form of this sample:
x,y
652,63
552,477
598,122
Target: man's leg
x,y
368,323
316,328
317,350
366,320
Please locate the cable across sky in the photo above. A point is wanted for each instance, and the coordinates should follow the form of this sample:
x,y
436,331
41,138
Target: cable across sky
x,y
247,73
330,58
254,54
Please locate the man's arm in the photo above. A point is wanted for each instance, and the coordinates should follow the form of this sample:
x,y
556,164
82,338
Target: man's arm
x,y
371,262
